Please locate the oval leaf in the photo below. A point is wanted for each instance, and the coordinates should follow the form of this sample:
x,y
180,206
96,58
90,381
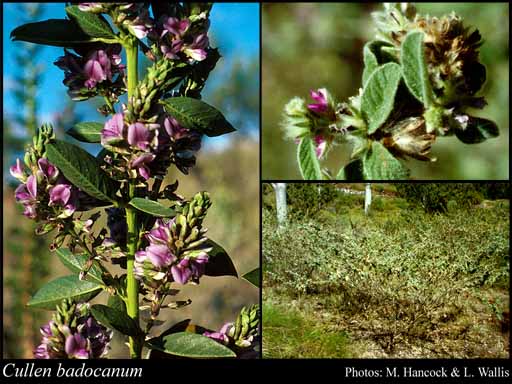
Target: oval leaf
x,y
308,162
253,277
380,164
88,132
352,171
92,24
186,344
67,287
379,95
112,318
115,302
55,32
152,208
477,131
82,169
370,63
197,115
414,67
76,263
219,262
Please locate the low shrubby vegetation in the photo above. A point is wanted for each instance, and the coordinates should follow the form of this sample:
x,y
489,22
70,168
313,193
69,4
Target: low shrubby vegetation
x,y
402,282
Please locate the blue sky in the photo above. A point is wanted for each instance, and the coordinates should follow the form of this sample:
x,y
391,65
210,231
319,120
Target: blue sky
x,y
234,30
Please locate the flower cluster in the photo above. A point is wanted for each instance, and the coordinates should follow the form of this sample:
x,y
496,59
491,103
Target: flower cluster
x,y
97,72
46,195
73,334
177,250
242,335
315,120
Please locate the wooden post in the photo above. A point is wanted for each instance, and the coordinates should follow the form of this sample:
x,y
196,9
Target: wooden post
x,y
367,198
280,189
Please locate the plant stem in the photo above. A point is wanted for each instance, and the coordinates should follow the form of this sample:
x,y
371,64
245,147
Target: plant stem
x,y
132,286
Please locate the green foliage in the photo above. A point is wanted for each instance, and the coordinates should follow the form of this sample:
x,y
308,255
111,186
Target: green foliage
x,y
291,334
187,344
379,95
435,197
92,24
82,169
55,32
477,131
219,262
380,164
152,208
305,199
76,263
307,160
253,277
410,272
116,319
67,287
197,115
87,131
415,69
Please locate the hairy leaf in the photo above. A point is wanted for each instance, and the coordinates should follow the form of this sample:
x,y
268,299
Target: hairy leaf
x,y
219,262
88,132
152,208
67,287
92,24
379,95
55,32
75,263
186,344
307,160
113,318
415,69
352,171
82,169
477,131
253,277
380,164
197,115
370,63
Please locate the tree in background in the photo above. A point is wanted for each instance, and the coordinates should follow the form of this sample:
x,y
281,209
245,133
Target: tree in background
x,y
28,254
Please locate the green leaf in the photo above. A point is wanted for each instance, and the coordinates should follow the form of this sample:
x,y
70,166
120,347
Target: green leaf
x,y
88,132
92,24
477,131
253,277
115,302
112,318
152,208
55,32
197,115
67,287
380,164
379,95
186,344
415,69
308,162
352,171
370,63
75,263
219,262
82,169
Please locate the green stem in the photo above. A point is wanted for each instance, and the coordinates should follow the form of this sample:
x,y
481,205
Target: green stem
x,y
132,286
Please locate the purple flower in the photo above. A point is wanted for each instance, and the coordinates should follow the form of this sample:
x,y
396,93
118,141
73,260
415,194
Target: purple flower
x,y
27,193
113,130
141,25
175,26
60,194
321,145
174,129
222,335
181,272
321,105
197,50
49,170
76,347
91,7
17,171
97,68
159,255
171,51
140,163
138,136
